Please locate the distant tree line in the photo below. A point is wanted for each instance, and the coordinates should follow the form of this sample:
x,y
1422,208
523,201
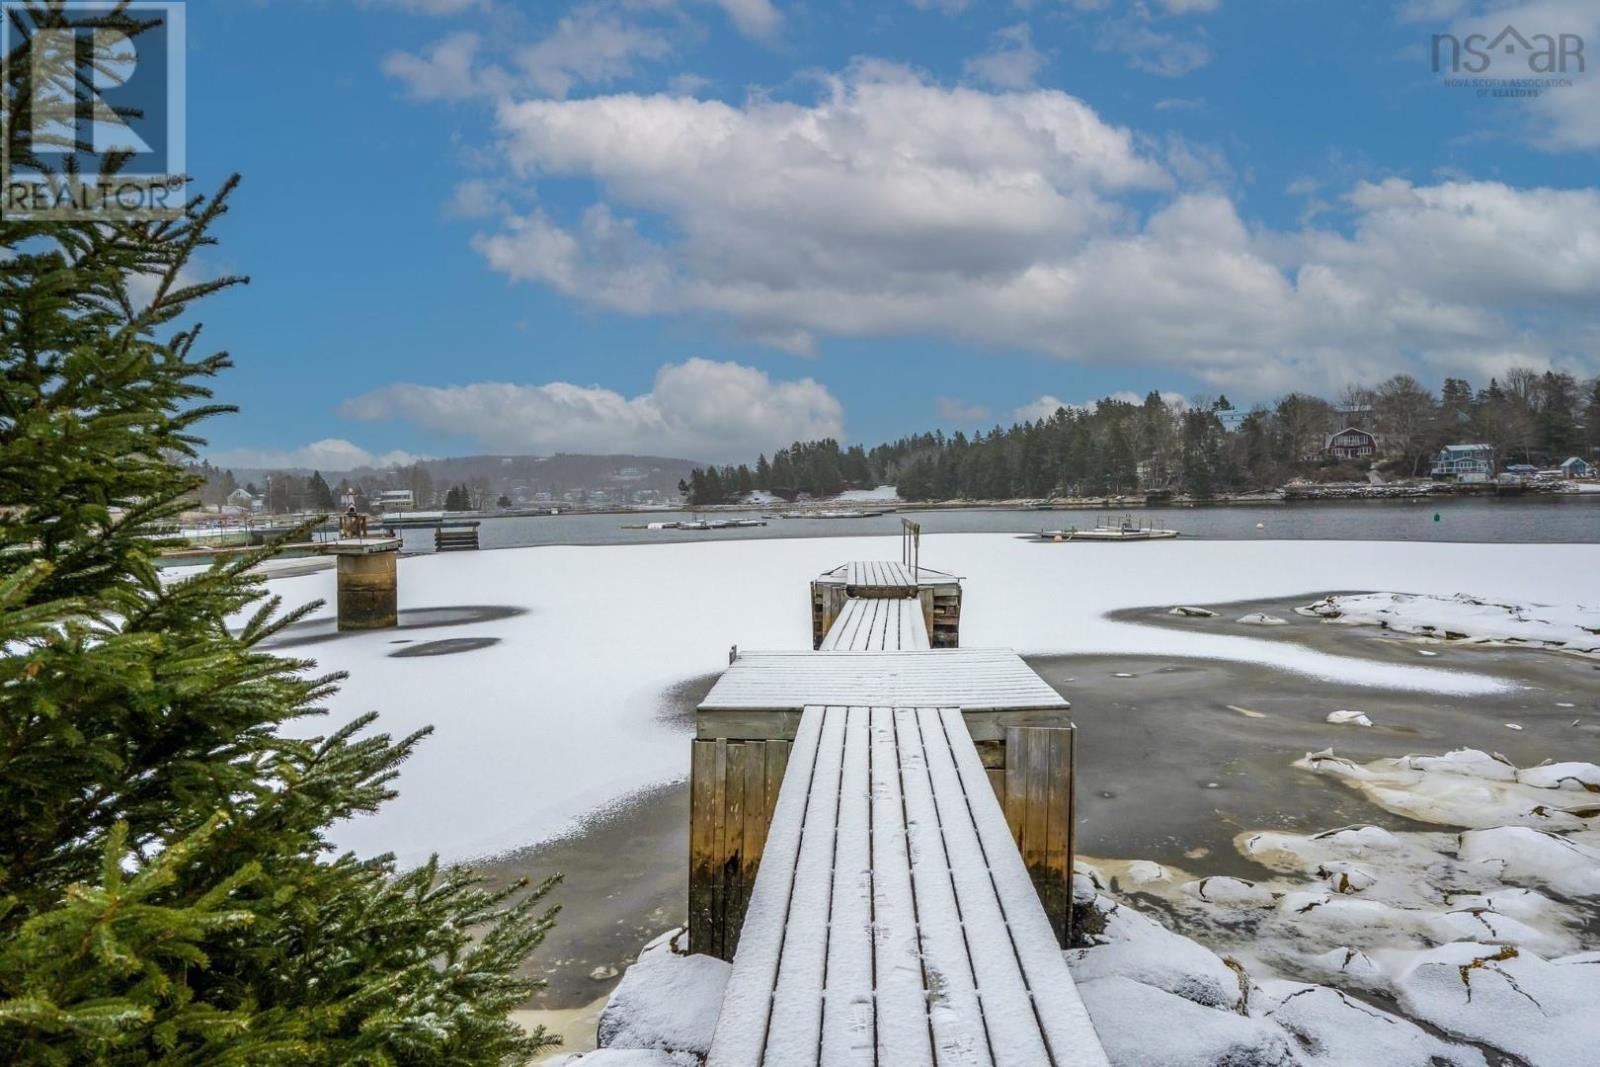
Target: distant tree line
x,y
1198,448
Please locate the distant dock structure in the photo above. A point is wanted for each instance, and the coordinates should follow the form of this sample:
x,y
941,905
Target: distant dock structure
x,y
881,840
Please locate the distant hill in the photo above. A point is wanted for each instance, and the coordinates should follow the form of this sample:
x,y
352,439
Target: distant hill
x,y
554,474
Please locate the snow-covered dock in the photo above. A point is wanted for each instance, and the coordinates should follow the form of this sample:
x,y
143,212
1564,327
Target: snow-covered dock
x,y
878,624
937,593
888,891
893,920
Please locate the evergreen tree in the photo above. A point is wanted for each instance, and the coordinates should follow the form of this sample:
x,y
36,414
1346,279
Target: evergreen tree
x,y
168,892
318,496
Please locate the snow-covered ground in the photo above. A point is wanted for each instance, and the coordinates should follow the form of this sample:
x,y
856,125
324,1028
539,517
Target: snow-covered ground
x,y
560,717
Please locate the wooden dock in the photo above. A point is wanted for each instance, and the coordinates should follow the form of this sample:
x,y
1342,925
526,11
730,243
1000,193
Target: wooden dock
x,y
937,593
893,921
878,625
881,839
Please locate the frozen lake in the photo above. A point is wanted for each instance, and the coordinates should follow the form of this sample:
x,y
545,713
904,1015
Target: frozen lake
x,y
549,701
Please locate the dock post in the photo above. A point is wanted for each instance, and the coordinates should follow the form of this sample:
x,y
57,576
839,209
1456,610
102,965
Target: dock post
x,y
369,584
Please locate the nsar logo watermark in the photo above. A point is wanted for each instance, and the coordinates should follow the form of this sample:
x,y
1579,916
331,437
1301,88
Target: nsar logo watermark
x,y
1510,64
94,129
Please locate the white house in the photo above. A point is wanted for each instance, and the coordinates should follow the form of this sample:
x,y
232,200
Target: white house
x,y
396,500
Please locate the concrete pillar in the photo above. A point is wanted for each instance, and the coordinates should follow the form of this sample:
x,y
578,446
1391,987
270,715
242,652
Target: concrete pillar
x,y
368,590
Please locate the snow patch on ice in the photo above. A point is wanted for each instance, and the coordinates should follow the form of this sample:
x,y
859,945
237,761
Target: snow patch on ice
x,y
1348,718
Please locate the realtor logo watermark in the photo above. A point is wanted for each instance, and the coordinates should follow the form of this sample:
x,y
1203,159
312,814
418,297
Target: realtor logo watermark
x,y
1509,64
95,128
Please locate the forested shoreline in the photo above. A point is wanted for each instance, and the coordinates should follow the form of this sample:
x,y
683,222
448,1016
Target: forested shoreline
x,y
1200,448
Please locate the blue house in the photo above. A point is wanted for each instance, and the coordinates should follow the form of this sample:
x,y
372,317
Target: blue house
x,y
1577,467
1466,463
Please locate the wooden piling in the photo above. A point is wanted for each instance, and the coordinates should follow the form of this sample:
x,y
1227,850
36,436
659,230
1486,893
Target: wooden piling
x,y
368,585
1038,802
733,786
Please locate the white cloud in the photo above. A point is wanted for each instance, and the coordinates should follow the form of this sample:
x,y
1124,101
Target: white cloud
x,y
329,454
1153,51
754,18
1011,61
1180,103
447,70
955,410
591,45
594,43
698,409
1042,408
895,206
475,198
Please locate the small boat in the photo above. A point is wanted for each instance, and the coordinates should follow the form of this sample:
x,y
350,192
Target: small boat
x,y
1107,529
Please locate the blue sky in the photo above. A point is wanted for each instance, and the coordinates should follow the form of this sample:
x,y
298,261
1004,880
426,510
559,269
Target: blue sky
x,y
706,227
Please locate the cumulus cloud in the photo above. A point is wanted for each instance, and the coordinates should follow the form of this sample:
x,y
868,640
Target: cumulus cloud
x,y
329,454
895,205
697,409
1011,61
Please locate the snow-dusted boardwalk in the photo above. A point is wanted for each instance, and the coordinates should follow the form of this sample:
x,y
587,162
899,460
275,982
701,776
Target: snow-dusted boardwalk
x,y
877,624
892,921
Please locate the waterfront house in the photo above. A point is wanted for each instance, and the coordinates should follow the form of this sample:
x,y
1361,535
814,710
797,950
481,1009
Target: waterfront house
x,y
1350,443
1465,463
1577,467
396,500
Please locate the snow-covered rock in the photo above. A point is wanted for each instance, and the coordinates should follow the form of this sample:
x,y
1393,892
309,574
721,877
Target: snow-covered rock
x,y
1193,612
1229,892
1141,872
1134,946
1566,627
1466,787
1142,1026
665,1001
1261,618
1332,1029
1578,777
1519,854
1348,718
1510,999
